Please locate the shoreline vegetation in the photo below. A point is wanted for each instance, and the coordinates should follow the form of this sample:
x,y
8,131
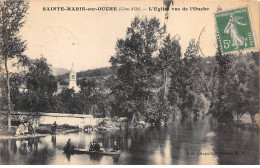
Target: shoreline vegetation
x,y
149,80
35,135
115,124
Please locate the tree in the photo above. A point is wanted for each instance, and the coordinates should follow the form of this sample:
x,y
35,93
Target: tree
x,y
243,85
69,102
40,85
12,14
17,85
134,65
185,80
169,55
221,109
254,86
88,94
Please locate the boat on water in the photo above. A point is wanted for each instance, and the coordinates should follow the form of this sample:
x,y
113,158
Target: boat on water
x,y
102,128
86,151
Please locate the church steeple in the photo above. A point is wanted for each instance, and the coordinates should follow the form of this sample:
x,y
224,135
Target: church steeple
x,y
73,74
72,69
73,80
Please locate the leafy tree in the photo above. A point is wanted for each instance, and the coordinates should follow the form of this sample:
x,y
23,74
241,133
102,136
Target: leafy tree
x,y
186,81
157,110
243,86
221,109
12,14
134,64
17,86
169,55
69,101
16,80
40,85
91,94
92,99
104,105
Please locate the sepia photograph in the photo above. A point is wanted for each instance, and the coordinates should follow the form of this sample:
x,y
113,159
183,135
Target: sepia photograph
x,y
129,82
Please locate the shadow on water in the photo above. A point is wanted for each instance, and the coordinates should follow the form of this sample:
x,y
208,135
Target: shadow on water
x,y
53,140
68,156
198,141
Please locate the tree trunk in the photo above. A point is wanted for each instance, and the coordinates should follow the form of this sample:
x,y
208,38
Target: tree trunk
x,y
8,96
132,119
165,84
253,118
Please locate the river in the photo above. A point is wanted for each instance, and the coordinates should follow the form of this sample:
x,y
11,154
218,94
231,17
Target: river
x,y
179,143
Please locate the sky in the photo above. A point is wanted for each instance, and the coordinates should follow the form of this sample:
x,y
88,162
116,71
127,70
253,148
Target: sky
x,y
88,39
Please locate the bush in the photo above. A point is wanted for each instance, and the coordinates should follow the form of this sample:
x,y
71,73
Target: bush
x,y
43,129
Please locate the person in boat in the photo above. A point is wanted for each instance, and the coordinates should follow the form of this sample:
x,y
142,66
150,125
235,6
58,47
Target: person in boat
x,y
116,147
101,147
96,147
91,148
68,145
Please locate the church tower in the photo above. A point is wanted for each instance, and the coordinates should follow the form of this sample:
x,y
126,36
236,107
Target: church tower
x,y
73,80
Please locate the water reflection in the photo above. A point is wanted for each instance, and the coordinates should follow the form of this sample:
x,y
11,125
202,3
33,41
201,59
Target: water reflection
x,y
68,156
182,142
53,140
241,147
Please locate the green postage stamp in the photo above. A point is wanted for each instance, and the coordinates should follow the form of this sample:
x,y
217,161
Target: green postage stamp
x,y
235,30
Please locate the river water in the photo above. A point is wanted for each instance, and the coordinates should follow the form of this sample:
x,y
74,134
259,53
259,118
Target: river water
x,y
180,142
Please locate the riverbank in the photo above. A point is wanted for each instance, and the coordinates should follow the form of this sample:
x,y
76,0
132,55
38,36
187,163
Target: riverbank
x,y
110,125
118,123
36,135
245,122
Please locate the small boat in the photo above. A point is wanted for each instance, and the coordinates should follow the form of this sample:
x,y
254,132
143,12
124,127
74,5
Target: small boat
x,y
86,151
102,128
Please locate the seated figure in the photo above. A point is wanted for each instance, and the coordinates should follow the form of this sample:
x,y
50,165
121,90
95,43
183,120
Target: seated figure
x,y
91,148
96,147
116,147
21,128
17,131
101,147
26,124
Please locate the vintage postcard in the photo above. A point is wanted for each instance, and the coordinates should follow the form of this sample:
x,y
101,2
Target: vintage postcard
x,y
129,82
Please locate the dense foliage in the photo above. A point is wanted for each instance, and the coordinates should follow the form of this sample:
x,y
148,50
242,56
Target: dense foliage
x,y
135,67
12,14
149,80
33,90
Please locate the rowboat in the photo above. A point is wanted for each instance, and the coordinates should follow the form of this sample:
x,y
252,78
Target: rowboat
x,y
86,151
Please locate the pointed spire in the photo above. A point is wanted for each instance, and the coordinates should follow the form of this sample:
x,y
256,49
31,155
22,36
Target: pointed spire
x,y
72,69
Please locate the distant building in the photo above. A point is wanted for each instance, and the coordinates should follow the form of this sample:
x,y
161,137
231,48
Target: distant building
x,y
60,88
72,82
